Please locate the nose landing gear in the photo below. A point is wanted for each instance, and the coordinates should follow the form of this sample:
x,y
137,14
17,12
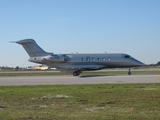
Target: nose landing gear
x,y
129,72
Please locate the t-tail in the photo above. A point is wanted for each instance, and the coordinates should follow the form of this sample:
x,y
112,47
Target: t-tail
x,y
32,48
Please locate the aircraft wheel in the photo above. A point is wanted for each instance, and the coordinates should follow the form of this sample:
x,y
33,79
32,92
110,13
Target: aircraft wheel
x,y
76,73
129,73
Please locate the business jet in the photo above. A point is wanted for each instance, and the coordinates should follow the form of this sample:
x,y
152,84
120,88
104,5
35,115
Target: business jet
x,y
76,63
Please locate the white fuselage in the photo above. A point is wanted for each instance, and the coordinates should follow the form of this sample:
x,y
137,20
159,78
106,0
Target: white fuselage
x,y
77,63
99,60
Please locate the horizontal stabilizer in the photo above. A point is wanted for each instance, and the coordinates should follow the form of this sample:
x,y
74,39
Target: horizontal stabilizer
x,y
25,41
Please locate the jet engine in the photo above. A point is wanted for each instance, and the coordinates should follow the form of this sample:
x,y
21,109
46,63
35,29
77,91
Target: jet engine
x,y
54,58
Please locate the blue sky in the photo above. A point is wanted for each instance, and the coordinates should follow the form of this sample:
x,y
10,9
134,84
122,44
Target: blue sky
x,y
84,26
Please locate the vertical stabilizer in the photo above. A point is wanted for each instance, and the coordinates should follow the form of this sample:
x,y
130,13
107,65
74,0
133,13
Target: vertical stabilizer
x,y
32,48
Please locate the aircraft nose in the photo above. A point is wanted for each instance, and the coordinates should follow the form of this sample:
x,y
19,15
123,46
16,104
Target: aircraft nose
x,y
141,64
138,63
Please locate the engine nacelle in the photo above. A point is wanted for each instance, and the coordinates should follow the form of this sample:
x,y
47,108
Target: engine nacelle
x,y
53,58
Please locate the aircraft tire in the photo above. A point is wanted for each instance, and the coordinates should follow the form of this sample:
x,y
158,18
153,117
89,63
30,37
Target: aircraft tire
x,y
129,73
76,73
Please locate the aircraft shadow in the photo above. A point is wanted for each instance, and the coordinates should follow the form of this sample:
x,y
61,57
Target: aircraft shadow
x,y
87,76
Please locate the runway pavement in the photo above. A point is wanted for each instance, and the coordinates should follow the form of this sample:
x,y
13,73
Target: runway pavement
x,y
68,80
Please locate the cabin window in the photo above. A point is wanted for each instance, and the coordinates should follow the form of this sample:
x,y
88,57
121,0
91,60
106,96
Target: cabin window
x,y
103,59
127,56
98,59
34,58
88,59
82,59
93,59
109,59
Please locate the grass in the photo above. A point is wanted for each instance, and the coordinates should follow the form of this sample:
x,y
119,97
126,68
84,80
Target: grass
x,y
77,102
48,73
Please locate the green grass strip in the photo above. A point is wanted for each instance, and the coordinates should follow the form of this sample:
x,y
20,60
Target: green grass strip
x,y
77,102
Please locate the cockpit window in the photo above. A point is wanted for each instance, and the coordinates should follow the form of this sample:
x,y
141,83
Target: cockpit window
x,y
127,56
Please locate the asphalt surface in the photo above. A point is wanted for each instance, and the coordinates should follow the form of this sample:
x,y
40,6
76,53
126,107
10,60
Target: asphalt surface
x,y
69,80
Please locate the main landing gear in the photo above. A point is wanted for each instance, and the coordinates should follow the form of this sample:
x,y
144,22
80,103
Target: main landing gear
x,y
76,73
129,72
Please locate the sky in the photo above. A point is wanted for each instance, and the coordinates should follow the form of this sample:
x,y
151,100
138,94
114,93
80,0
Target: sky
x,y
83,26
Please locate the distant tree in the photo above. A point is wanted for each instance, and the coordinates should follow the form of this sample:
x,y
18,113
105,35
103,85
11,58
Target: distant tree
x,y
158,63
17,68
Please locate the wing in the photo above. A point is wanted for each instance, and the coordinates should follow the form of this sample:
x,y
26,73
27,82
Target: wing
x,y
72,68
